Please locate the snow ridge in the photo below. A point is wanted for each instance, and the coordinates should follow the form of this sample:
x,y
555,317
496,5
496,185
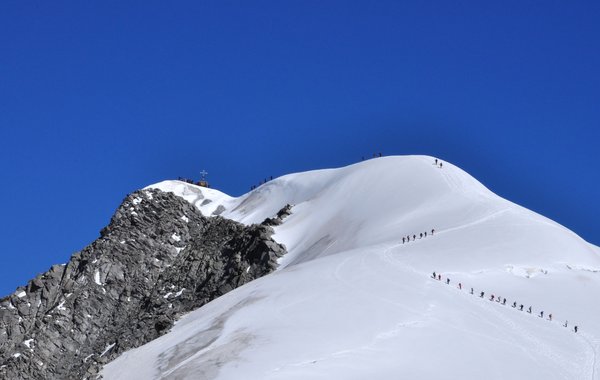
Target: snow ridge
x,y
351,300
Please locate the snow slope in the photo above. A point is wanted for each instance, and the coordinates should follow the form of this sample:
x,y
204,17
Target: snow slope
x,y
352,301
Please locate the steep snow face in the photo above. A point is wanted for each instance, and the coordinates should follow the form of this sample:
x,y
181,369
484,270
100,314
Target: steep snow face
x,y
351,300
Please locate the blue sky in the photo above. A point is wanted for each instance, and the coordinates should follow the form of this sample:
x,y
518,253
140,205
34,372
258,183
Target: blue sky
x,y
98,99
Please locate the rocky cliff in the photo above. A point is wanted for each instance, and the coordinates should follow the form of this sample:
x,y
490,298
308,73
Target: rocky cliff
x,y
158,258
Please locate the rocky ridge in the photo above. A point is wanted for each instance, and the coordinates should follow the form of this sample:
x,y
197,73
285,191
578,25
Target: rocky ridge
x,y
158,258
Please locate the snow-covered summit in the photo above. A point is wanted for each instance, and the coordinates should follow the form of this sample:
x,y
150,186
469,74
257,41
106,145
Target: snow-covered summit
x,y
352,300
373,202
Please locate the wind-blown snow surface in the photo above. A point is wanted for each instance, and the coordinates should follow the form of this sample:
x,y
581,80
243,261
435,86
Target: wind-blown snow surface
x,y
351,301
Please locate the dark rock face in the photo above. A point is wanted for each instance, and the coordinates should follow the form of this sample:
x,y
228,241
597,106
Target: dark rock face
x,y
157,259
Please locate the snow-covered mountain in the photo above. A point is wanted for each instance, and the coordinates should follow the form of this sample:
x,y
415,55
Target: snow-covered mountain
x,y
352,300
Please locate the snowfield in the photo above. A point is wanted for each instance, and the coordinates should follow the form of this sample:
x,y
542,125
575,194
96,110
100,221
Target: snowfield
x,y
350,300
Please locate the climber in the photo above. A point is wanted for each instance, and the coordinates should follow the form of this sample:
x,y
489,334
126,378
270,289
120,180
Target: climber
x,y
550,317
425,233
439,277
542,314
471,290
521,307
498,299
492,298
421,236
432,231
529,310
447,281
414,237
403,240
566,323
460,286
434,275
504,301
440,164
514,304
436,162
575,328
481,295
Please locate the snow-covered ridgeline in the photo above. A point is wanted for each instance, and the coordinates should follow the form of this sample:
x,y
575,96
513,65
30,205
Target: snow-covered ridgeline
x,y
351,301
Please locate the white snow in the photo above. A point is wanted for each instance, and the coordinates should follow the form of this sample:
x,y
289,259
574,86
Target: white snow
x,y
351,301
21,294
28,343
205,199
175,237
185,219
16,355
137,200
179,292
97,277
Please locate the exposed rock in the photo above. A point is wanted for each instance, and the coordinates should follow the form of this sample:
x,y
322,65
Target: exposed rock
x,y
281,215
157,259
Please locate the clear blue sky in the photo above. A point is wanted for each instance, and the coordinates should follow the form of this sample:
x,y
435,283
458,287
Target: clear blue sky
x,y
100,98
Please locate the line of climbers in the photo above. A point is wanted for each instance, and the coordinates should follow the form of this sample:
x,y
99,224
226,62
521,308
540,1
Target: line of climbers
x,y
375,155
500,300
260,183
438,163
422,235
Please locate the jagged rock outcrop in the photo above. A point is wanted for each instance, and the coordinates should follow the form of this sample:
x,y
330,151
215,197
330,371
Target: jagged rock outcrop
x,y
158,258
281,215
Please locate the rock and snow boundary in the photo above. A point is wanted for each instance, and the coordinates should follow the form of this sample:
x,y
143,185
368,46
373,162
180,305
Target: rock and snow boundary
x,y
350,301
158,259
